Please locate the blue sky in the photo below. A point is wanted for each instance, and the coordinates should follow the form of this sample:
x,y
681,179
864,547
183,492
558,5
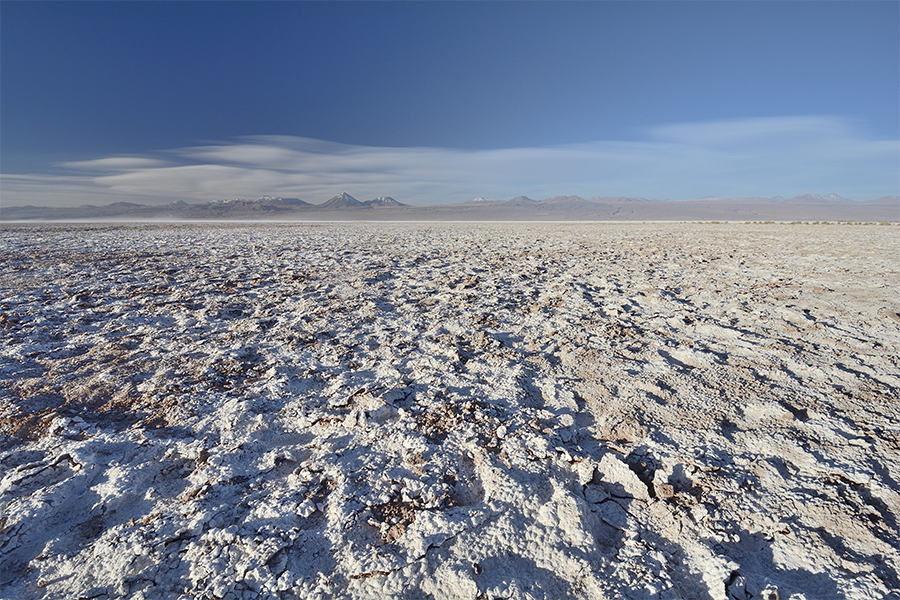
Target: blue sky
x,y
441,102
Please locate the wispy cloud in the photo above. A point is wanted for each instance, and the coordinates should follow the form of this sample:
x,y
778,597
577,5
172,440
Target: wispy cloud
x,y
743,157
116,163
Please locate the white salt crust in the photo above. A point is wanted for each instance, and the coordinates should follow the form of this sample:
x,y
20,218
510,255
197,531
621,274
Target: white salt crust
x,y
450,411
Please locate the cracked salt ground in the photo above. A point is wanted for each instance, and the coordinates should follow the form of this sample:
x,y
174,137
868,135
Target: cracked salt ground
x,y
450,411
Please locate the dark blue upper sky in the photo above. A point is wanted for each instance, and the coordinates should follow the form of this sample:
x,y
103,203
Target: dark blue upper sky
x,y
83,80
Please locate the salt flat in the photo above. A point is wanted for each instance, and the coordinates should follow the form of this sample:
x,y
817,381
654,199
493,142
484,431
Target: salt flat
x,y
450,411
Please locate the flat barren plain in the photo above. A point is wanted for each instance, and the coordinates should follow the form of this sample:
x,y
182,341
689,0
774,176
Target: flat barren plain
x,y
474,411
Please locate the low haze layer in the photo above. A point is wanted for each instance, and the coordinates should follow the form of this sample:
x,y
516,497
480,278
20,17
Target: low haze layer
x,y
749,157
344,207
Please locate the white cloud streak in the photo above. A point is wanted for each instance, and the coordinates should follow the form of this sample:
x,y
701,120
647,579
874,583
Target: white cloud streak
x,y
116,163
745,157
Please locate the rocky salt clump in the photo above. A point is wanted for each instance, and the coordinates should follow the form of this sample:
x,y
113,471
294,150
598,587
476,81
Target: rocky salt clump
x,y
449,411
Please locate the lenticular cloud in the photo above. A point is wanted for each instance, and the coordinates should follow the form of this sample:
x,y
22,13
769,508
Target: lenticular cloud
x,y
741,157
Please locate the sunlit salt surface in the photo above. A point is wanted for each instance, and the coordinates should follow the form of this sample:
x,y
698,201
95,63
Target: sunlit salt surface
x,y
450,411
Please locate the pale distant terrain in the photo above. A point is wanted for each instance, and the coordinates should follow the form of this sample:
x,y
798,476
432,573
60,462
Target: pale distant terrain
x,y
345,207
450,410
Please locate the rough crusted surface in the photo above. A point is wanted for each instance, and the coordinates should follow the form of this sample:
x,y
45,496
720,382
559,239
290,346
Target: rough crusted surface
x,y
450,411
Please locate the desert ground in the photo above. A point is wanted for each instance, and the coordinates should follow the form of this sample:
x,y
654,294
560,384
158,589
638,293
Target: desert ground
x,y
448,410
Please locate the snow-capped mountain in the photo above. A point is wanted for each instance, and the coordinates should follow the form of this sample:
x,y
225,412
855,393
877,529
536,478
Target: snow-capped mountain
x,y
342,200
382,202
817,199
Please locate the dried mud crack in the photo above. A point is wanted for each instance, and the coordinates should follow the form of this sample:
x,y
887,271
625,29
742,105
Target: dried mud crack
x,y
469,411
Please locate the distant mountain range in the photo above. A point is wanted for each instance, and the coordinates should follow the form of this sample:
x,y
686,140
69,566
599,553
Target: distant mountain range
x,y
345,200
558,208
